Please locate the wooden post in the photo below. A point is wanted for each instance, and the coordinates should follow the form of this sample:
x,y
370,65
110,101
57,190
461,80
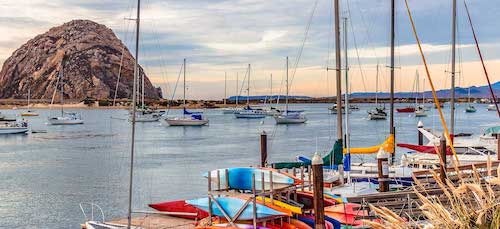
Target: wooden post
x,y
254,203
442,159
420,135
498,150
383,170
309,173
263,149
271,188
319,210
226,171
209,199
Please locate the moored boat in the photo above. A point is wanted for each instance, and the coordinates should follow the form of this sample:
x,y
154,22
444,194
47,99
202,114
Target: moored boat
x,y
13,127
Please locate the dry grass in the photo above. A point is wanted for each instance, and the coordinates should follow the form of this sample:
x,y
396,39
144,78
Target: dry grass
x,y
471,203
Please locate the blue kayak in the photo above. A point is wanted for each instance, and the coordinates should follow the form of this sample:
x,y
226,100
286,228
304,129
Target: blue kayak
x,y
241,178
232,205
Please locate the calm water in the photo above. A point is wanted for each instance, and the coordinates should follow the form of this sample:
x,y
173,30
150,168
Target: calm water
x,y
45,176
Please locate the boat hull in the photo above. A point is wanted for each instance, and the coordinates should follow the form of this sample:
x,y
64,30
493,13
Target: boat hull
x,y
406,110
186,122
232,205
241,178
180,206
56,121
249,116
13,130
288,120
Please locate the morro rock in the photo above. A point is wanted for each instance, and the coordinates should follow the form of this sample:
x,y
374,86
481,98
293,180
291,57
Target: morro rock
x,y
89,55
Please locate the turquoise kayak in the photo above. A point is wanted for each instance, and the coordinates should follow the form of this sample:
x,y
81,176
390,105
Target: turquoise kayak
x,y
232,205
241,178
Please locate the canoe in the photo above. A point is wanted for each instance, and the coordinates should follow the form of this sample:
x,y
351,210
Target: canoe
x,y
291,208
241,178
232,205
307,198
179,206
299,224
309,220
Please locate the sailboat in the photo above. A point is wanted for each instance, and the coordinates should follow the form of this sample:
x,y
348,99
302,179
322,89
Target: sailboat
x,y
248,112
470,108
144,113
288,117
92,223
231,110
419,110
378,113
66,118
29,112
271,111
188,118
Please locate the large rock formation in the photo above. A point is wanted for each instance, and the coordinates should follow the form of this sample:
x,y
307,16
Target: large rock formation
x,y
90,56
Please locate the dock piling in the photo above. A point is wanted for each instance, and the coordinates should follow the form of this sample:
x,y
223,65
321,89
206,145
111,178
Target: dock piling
x,y
420,135
319,210
383,170
442,159
263,149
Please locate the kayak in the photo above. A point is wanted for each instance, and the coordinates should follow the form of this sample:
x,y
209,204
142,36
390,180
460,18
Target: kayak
x,y
309,220
307,198
179,206
299,224
293,209
232,205
241,178
346,213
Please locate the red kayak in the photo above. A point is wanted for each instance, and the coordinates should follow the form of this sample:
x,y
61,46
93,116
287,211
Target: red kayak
x,y
180,206
406,110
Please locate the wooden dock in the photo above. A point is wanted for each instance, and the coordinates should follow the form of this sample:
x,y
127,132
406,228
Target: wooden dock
x,y
154,221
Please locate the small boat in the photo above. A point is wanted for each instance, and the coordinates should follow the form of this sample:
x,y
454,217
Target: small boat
x,y
292,118
377,114
13,127
232,205
250,113
333,109
146,115
188,118
66,119
470,109
29,112
231,110
491,107
241,178
179,206
406,110
420,112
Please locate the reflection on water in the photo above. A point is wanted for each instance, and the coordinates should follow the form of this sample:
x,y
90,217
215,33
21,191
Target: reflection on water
x,y
46,175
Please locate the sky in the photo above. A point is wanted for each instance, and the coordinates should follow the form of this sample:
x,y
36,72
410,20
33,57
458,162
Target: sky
x,y
221,37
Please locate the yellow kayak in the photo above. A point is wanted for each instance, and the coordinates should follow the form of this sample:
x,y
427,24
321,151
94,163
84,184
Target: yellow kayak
x,y
294,209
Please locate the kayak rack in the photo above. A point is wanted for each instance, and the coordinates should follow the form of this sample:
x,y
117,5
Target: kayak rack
x,y
284,193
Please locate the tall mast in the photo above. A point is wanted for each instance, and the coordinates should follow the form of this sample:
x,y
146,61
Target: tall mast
x,y
225,87
142,89
134,108
286,98
237,88
453,56
271,84
393,35
417,88
184,94
62,88
376,88
248,86
347,129
29,93
338,67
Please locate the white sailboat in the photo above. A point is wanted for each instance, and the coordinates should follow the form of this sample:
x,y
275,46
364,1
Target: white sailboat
x,y
188,118
66,118
29,112
288,117
377,113
419,109
13,127
470,108
232,110
248,112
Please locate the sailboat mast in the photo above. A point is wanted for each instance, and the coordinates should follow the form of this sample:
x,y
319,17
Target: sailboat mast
x,y
271,84
286,98
225,87
376,88
393,35
347,129
417,88
62,88
184,92
29,95
237,88
248,86
134,108
338,67
453,60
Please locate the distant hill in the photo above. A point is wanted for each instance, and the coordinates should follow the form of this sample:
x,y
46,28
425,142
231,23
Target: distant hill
x,y
88,53
263,97
460,92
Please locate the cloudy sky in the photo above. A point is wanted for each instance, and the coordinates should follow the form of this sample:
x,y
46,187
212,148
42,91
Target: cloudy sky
x,y
224,36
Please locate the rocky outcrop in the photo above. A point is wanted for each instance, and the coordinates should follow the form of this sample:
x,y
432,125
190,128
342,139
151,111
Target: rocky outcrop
x,y
89,55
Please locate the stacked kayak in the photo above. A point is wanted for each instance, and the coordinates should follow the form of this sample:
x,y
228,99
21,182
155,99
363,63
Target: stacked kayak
x,y
241,178
179,206
232,205
346,213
